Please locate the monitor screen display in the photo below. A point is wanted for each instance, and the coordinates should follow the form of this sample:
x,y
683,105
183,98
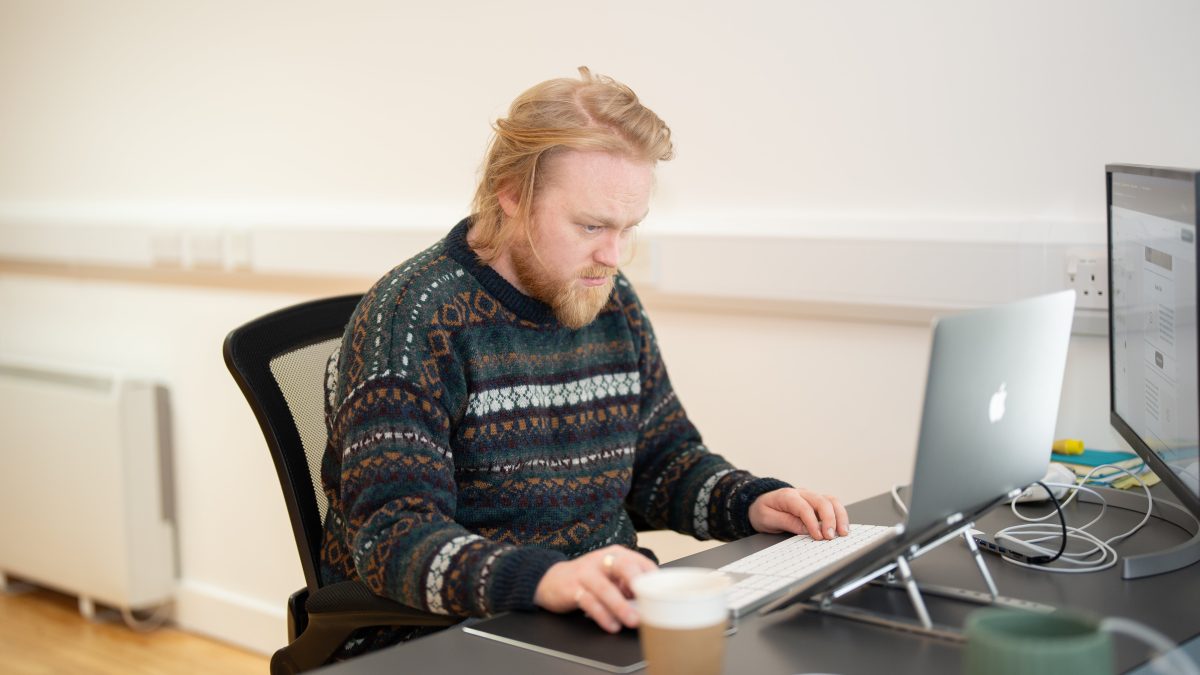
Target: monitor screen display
x,y
1153,319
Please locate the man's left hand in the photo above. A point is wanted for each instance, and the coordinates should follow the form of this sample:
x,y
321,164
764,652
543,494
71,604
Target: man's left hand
x,y
799,512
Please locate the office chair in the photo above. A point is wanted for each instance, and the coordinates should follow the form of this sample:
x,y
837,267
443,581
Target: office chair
x,y
279,362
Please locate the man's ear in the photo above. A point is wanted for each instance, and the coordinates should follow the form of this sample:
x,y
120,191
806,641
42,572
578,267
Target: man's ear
x,y
509,201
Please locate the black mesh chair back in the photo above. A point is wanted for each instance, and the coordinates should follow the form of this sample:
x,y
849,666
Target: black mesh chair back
x,y
280,362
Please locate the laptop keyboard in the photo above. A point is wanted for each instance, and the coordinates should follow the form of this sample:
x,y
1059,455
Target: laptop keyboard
x,y
781,565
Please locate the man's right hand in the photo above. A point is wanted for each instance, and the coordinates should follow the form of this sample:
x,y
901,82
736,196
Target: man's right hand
x,y
599,583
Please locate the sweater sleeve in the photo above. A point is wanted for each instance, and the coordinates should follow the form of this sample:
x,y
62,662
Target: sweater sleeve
x,y
390,476
678,483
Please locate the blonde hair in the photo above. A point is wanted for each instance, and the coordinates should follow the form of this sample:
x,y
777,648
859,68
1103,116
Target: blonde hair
x,y
594,112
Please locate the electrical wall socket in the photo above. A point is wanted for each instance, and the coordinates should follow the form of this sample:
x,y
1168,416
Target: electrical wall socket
x,y
205,250
1087,273
238,253
166,248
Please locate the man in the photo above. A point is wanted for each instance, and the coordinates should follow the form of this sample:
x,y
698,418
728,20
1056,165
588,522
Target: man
x,y
500,409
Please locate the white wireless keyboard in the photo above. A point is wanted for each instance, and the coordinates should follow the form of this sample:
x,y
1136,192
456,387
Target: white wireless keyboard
x,y
781,565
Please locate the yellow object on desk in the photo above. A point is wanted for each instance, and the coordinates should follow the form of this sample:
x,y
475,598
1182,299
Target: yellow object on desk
x,y
1068,446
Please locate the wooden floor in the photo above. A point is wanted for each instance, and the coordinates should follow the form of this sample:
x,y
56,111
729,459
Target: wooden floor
x,y
42,632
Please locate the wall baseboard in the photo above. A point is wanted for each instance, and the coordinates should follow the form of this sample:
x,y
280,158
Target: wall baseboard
x,y
230,617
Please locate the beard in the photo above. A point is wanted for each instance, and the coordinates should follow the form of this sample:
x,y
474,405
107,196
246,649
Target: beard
x,y
574,304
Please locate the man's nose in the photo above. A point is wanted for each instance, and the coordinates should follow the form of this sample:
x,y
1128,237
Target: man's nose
x,y
609,253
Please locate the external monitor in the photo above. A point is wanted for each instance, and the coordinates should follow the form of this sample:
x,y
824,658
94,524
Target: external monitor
x,y
1154,356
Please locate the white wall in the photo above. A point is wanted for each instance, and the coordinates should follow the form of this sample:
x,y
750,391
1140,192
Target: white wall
x,y
895,138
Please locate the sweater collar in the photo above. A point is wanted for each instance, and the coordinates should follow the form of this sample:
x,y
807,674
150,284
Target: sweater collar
x,y
522,305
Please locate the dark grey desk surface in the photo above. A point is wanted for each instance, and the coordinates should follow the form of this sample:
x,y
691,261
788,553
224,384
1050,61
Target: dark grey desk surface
x,y
792,641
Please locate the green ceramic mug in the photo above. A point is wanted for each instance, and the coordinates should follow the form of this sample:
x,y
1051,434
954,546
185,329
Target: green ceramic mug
x,y
1004,641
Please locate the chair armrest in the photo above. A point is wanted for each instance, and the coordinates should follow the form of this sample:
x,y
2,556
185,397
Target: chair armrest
x,y
353,598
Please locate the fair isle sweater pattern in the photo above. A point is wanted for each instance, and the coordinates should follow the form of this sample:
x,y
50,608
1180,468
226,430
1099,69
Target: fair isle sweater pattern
x,y
474,441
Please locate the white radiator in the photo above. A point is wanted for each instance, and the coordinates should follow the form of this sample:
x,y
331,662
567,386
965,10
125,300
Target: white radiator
x,y
85,498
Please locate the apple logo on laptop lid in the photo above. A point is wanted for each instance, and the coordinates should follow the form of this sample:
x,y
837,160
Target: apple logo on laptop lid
x,y
996,406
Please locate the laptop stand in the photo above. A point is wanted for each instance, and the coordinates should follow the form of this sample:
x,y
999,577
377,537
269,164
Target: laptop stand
x,y
898,575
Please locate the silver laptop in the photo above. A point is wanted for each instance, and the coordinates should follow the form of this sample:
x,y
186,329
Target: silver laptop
x,y
991,404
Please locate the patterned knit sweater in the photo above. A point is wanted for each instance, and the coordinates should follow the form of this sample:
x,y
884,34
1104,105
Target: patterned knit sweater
x,y
474,441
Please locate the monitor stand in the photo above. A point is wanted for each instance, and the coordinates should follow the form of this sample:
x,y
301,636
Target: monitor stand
x,y
1158,562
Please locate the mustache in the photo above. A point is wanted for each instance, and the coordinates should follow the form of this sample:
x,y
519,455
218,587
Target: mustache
x,y
598,271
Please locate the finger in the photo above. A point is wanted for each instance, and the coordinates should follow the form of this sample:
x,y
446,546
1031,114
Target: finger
x,y
594,602
617,558
603,555
782,521
800,508
617,603
843,518
607,590
629,568
826,514
608,563
623,575
597,612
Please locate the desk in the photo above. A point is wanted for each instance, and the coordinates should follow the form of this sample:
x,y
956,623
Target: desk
x,y
792,641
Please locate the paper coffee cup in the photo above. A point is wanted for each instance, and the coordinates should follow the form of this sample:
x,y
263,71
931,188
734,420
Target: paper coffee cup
x,y
683,614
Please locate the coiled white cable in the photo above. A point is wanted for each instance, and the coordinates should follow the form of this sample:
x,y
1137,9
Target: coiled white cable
x,y
1100,555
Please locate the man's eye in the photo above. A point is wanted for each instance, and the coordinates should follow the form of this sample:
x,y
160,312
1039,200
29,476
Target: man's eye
x,y
592,229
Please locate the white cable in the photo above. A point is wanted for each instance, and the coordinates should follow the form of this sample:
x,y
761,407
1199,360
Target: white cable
x,y
1168,655
1100,556
896,498
1108,556
1108,479
153,622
